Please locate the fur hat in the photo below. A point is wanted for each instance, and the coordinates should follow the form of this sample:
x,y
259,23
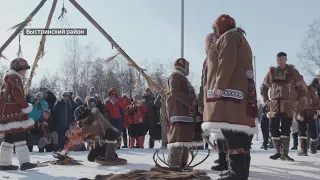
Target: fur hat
x,y
19,64
82,112
182,65
223,23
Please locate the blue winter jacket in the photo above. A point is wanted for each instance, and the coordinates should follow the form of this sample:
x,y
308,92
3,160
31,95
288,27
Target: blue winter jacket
x,y
37,109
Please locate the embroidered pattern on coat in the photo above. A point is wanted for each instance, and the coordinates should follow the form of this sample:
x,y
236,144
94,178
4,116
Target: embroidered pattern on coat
x,y
236,151
252,96
191,92
228,93
181,119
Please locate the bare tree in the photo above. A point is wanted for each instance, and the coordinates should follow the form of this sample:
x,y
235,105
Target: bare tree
x,y
160,76
3,71
87,70
125,76
51,82
71,65
99,77
76,67
309,53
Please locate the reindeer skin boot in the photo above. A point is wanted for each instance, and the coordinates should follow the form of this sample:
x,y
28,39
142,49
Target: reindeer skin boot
x,y
285,149
303,146
277,146
6,152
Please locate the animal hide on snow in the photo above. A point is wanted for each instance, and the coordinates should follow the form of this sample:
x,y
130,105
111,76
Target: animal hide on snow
x,y
154,174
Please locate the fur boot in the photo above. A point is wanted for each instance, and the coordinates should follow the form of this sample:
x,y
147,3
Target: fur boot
x,y
277,146
6,152
303,146
285,143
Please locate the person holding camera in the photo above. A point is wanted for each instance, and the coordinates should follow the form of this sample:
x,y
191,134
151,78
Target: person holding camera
x,y
137,113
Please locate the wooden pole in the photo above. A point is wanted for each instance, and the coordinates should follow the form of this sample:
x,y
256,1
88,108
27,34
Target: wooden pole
x,y
41,47
255,81
21,26
114,44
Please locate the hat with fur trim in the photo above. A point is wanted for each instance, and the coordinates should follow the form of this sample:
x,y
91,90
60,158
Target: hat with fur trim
x,y
223,23
19,64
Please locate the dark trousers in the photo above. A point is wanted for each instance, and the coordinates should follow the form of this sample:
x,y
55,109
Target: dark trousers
x,y
125,132
280,126
265,135
136,130
265,131
98,151
16,137
62,138
307,128
117,123
222,146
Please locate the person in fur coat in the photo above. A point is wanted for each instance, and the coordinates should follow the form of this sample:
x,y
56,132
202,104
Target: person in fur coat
x,y
307,124
287,92
14,120
103,135
231,101
180,102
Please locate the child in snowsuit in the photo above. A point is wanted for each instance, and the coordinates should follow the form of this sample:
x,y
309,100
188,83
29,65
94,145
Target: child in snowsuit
x,y
137,111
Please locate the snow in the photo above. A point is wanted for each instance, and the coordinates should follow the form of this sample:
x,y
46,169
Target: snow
x,y
262,168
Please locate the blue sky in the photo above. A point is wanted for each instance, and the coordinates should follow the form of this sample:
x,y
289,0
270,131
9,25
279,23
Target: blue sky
x,y
150,29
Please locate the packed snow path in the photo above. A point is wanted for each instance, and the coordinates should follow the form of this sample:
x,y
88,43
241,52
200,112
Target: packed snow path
x,y
262,168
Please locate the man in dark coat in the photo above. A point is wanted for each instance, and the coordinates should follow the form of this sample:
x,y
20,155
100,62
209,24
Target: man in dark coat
x,y
63,116
265,127
49,97
152,118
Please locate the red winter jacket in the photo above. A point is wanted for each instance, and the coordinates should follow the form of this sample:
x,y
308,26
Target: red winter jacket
x,y
114,104
139,116
126,102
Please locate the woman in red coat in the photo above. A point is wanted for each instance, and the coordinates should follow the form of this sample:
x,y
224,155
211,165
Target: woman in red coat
x,y
126,101
14,120
115,108
137,111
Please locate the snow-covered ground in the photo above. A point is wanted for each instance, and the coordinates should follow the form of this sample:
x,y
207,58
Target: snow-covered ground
x,y
262,168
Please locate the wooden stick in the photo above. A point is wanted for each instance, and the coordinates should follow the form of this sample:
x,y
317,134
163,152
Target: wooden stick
x,y
21,26
206,139
114,44
41,47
